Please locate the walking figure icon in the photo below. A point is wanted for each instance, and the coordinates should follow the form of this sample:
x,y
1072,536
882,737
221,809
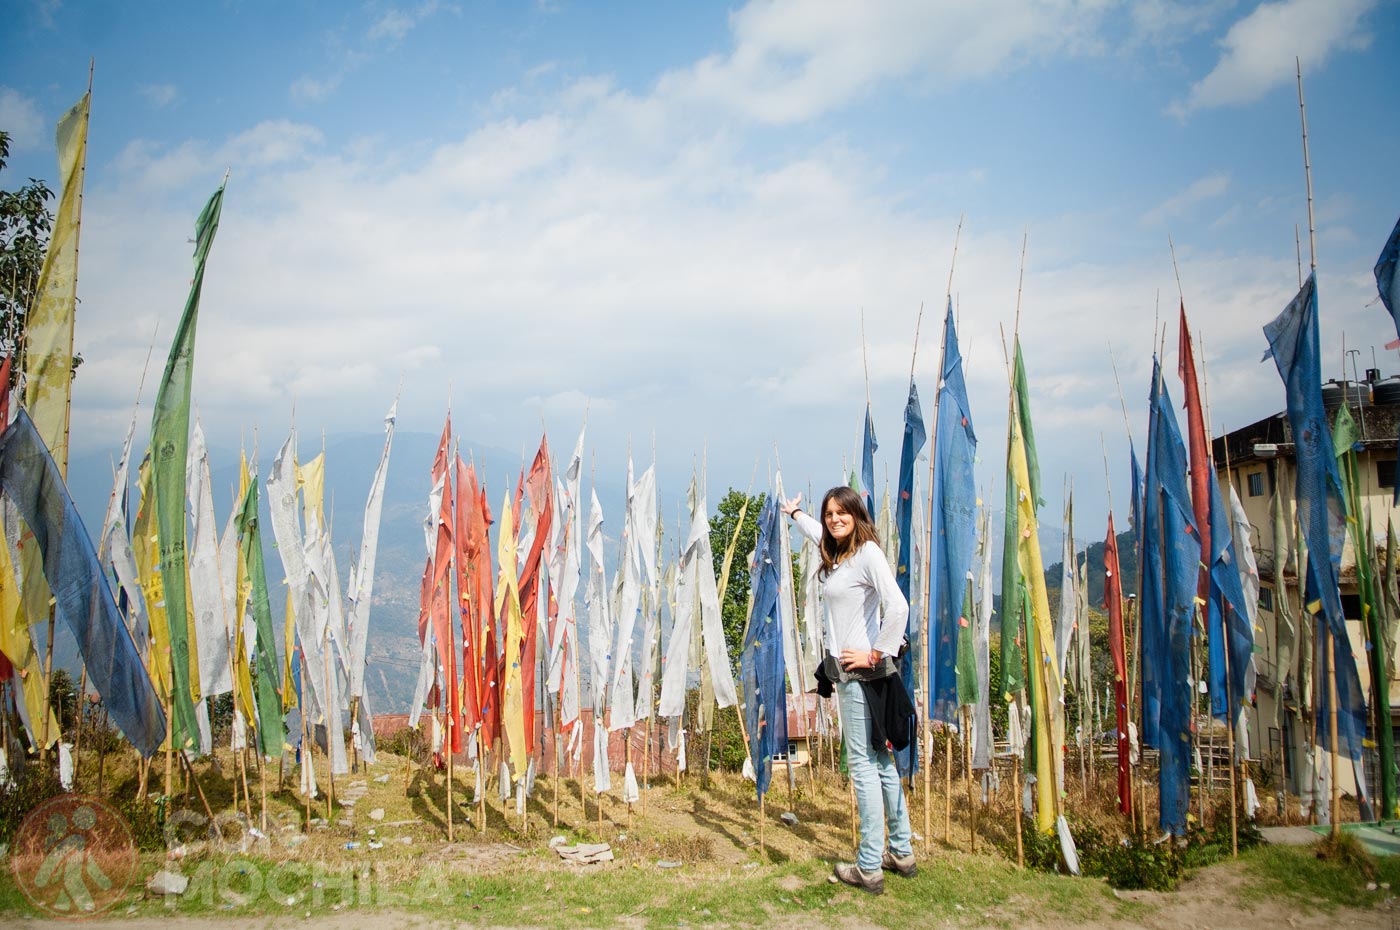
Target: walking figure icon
x,y
73,856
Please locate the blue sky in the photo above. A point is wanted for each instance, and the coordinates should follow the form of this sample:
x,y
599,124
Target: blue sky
x,y
674,214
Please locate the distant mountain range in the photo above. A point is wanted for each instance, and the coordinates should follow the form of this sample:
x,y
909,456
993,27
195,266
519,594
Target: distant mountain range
x,y
350,463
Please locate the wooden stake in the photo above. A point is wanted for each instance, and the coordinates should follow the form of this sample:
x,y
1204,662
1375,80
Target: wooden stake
x,y
448,747
101,750
169,735
1230,737
326,670
948,786
306,761
48,706
481,778
558,761
761,818
78,723
1016,807
646,765
1332,730
243,773
967,777
189,772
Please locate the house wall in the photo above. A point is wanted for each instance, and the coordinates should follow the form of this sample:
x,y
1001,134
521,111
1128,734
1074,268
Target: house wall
x,y
1255,480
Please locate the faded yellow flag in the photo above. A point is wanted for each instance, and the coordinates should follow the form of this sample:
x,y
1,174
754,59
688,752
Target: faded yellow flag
x,y
48,339
508,608
18,646
1044,678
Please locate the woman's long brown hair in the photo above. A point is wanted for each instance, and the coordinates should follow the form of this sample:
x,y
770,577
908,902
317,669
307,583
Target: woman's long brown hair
x,y
834,552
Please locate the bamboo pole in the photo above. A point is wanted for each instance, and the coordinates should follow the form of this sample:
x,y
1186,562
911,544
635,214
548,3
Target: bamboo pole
x,y
1307,168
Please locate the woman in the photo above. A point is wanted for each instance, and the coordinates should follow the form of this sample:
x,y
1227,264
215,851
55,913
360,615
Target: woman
x,y
857,585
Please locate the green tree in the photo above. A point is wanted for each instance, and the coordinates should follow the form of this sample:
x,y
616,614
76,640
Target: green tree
x,y
63,697
734,608
25,222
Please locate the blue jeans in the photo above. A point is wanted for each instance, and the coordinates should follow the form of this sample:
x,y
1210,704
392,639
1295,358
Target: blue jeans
x,y
879,793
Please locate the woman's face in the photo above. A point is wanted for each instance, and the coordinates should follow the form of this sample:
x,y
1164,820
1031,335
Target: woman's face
x,y
839,523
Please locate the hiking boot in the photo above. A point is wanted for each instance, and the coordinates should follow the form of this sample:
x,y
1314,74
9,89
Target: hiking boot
x,y
852,874
901,865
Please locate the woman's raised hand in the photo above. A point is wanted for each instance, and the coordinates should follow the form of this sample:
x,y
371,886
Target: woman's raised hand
x,y
792,505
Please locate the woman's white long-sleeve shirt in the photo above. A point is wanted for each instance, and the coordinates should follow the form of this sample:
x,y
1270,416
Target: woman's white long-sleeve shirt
x,y
855,592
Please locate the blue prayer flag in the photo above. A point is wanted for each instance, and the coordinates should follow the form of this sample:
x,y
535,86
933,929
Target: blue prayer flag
x,y
1386,281
1226,590
1293,344
762,664
907,760
867,464
30,477
954,527
1171,553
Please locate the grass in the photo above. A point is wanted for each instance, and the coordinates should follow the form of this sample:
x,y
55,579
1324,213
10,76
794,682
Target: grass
x,y
534,891
1298,874
507,875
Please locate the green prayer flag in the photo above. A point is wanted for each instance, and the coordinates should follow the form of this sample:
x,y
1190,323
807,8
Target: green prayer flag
x,y
269,698
1344,436
967,660
170,437
1013,673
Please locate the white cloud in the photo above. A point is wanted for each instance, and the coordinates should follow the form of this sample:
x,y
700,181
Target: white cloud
x,y
276,142
792,60
159,95
1179,205
1259,52
308,89
19,116
629,248
394,25
542,263
1167,22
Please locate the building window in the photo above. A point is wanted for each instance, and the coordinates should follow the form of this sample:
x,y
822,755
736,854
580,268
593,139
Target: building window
x,y
1385,473
1351,606
1256,484
1266,599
